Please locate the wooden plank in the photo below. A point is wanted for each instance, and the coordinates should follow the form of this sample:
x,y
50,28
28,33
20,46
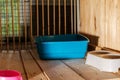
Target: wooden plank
x,y
32,69
48,8
59,14
71,1
89,72
55,69
101,18
12,11
43,31
54,16
25,24
37,7
75,6
31,27
11,60
65,16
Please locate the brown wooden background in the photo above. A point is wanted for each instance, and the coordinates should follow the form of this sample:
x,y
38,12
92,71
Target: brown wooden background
x,y
101,18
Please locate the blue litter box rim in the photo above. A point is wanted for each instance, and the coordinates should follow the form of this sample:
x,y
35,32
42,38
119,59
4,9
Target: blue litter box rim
x,y
36,39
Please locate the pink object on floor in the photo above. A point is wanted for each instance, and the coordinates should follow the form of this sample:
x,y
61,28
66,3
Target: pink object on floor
x,y
10,75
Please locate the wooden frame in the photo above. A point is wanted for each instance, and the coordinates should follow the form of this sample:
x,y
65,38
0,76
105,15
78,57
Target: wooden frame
x,y
54,16
65,17
18,7
7,25
25,24
43,33
59,12
37,7
12,11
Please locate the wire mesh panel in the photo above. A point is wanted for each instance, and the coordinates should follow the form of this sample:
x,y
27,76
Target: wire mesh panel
x,y
23,20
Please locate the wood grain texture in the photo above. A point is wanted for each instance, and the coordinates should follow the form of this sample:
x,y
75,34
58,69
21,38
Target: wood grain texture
x,y
56,70
32,69
11,60
101,18
89,72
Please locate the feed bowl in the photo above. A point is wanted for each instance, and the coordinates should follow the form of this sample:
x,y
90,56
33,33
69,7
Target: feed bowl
x,y
10,75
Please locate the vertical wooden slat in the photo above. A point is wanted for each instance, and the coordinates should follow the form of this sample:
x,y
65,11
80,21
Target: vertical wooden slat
x,y
75,17
7,25
71,1
48,6
37,7
59,4
31,29
25,25
65,16
78,16
0,30
54,17
12,11
43,33
19,30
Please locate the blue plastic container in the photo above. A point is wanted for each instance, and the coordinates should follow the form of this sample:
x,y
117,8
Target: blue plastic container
x,y
62,46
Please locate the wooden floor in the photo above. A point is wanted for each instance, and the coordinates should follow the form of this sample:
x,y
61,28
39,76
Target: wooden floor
x,y
32,68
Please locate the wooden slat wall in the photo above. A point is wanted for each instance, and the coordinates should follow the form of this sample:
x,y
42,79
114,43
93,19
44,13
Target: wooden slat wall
x,y
101,18
26,10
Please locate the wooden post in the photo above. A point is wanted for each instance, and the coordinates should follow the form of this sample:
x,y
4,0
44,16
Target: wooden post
x,y
71,16
48,7
7,25
19,30
59,6
65,15
31,29
25,24
37,7
43,18
12,11
0,30
54,17
75,17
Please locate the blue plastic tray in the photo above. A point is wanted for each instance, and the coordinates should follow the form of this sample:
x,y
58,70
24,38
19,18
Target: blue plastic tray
x,y
62,46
